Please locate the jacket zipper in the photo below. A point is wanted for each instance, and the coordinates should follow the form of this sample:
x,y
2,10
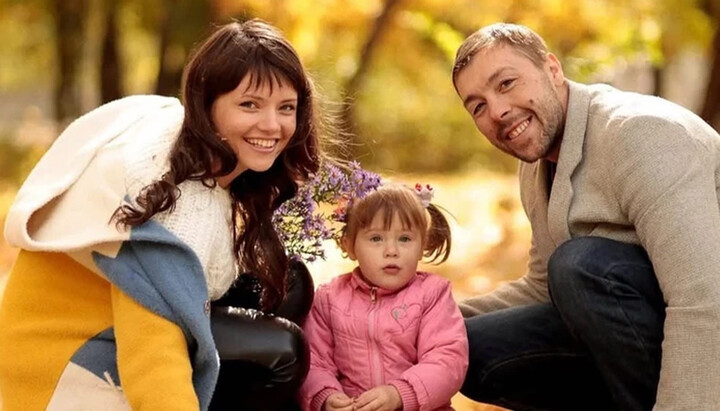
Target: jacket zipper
x,y
376,365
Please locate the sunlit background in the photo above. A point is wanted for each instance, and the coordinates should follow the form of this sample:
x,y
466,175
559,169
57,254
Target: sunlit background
x,y
383,68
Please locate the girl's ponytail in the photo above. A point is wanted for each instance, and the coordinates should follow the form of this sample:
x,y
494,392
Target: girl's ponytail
x,y
438,237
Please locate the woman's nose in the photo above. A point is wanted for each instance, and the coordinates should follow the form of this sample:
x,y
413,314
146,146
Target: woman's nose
x,y
269,122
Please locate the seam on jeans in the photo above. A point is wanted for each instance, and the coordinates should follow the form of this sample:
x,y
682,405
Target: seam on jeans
x,y
612,289
610,286
499,364
612,266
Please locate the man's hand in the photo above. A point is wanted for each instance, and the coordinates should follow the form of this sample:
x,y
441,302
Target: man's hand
x,y
338,402
380,398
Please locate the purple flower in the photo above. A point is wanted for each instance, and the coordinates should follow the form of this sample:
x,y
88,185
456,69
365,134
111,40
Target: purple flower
x,y
301,224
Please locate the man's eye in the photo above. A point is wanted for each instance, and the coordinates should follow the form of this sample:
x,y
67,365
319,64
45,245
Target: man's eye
x,y
478,108
504,85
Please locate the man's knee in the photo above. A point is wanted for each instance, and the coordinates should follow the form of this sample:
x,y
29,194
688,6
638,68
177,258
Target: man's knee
x,y
576,261
576,264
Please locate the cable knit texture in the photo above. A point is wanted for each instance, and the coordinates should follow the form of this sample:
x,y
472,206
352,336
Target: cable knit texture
x,y
146,162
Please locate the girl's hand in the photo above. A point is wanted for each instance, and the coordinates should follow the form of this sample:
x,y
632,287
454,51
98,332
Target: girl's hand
x,y
380,398
338,402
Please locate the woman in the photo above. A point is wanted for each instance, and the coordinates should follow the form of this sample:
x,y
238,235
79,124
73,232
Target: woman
x,y
138,216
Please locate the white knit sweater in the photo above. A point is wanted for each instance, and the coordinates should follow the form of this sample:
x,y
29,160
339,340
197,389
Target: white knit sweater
x,y
212,239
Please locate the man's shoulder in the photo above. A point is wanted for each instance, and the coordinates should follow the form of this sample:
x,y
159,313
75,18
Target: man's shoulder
x,y
616,115
619,104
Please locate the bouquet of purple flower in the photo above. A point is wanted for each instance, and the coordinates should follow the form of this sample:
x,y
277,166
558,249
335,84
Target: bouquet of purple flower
x,y
301,224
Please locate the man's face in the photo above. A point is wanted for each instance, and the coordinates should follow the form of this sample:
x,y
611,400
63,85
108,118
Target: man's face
x,y
519,107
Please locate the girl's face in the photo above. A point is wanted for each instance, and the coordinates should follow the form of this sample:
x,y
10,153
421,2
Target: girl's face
x,y
388,258
257,123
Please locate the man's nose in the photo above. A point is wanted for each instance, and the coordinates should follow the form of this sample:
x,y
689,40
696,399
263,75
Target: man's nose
x,y
499,109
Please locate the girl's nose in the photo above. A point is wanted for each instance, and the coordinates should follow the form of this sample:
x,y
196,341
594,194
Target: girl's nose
x,y
390,249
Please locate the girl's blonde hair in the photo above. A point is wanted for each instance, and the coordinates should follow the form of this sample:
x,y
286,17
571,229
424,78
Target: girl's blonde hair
x,y
395,199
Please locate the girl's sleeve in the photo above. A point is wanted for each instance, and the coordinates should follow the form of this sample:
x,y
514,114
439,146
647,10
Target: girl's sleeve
x,y
442,347
321,380
152,357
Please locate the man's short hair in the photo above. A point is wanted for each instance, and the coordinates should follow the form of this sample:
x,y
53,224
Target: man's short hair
x,y
521,38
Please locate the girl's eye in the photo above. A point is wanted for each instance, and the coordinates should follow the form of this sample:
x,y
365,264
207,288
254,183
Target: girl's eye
x,y
375,238
405,239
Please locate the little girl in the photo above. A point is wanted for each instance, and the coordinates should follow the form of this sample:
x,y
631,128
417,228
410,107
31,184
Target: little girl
x,y
386,336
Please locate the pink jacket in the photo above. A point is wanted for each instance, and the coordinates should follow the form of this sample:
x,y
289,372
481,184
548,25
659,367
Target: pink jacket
x,y
362,336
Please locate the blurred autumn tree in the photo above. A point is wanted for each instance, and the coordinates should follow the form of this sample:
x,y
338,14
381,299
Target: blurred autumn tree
x,y
387,61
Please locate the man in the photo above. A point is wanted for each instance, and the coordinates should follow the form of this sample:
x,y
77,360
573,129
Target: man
x,y
620,307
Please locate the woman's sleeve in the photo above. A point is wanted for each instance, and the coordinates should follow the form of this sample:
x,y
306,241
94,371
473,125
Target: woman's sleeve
x,y
152,357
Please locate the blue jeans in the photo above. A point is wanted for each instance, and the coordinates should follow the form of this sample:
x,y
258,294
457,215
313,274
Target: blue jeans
x,y
597,346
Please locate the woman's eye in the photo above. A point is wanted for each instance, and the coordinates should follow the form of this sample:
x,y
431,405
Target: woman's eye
x,y
288,108
248,104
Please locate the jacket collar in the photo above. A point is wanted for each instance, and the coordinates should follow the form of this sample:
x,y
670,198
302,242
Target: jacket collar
x,y
358,283
570,156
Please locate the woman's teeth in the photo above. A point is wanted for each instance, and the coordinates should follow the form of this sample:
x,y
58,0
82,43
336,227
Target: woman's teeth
x,y
261,142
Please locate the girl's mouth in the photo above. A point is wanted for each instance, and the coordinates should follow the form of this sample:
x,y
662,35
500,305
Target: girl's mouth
x,y
391,268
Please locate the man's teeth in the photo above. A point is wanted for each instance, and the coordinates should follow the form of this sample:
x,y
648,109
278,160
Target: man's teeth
x,y
261,142
519,129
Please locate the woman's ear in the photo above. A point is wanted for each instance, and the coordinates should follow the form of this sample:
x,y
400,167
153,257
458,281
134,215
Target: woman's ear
x,y
347,247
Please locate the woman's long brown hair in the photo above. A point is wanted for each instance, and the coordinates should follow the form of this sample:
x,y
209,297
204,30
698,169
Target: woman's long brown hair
x,y
218,65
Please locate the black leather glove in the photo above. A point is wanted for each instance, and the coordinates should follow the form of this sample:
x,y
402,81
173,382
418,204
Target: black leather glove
x,y
263,360
246,291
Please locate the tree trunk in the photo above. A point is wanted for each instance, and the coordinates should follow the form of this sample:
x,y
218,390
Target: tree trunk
x,y
183,24
352,86
110,70
658,73
165,85
711,103
70,17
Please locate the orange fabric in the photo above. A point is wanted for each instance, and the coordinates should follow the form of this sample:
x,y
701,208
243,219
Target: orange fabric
x,y
52,305
152,358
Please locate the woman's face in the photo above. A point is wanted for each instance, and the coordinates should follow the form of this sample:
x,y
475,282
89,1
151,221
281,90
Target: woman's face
x,y
256,121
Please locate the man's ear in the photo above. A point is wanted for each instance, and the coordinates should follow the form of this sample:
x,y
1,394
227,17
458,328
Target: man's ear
x,y
347,246
555,69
